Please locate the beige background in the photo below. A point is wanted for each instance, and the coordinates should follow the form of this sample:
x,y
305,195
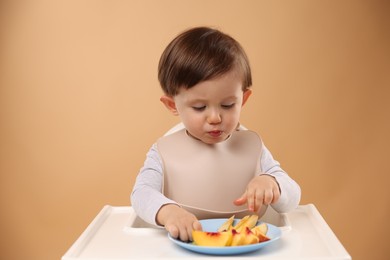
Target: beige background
x,y
79,108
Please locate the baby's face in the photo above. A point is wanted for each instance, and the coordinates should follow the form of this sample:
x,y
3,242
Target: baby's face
x,y
210,110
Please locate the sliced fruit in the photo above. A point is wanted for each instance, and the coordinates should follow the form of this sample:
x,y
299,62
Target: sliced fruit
x,y
241,223
262,238
249,222
202,238
261,232
227,225
238,239
246,237
262,228
250,238
245,232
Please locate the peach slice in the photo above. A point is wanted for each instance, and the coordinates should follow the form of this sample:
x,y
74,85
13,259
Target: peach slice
x,y
246,237
245,232
262,228
238,238
241,222
250,237
202,238
248,221
227,225
261,232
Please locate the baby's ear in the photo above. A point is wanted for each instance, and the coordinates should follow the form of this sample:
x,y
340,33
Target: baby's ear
x,y
246,95
170,104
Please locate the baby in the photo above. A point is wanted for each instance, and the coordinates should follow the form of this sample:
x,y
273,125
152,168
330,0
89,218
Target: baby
x,y
213,167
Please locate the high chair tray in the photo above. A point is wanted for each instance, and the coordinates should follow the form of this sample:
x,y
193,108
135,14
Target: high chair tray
x,y
117,233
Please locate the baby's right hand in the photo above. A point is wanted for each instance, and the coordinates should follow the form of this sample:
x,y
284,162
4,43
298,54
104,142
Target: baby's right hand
x,y
178,222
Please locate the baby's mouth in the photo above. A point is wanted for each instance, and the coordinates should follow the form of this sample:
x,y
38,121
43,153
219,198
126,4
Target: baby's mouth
x,y
215,133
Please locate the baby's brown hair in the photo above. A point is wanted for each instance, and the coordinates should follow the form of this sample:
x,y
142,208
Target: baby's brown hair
x,y
200,54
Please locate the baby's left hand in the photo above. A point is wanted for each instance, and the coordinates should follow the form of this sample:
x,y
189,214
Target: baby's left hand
x,y
261,190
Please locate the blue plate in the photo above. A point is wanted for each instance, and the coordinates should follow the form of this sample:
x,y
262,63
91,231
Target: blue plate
x,y
212,225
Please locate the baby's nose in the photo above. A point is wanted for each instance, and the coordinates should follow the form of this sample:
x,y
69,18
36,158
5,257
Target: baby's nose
x,y
214,117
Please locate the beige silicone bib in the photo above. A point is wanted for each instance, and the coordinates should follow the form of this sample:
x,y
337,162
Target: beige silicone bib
x,y
205,179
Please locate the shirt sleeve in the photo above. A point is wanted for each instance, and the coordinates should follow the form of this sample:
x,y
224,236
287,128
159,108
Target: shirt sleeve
x,y
146,197
290,192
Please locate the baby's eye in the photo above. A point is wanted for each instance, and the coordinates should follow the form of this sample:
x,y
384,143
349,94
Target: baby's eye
x,y
199,108
228,106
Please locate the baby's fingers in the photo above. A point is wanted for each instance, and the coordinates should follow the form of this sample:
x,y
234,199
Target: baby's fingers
x,y
276,195
197,226
259,200
268,197
248,198
173,231
251,200
182,233
241,200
